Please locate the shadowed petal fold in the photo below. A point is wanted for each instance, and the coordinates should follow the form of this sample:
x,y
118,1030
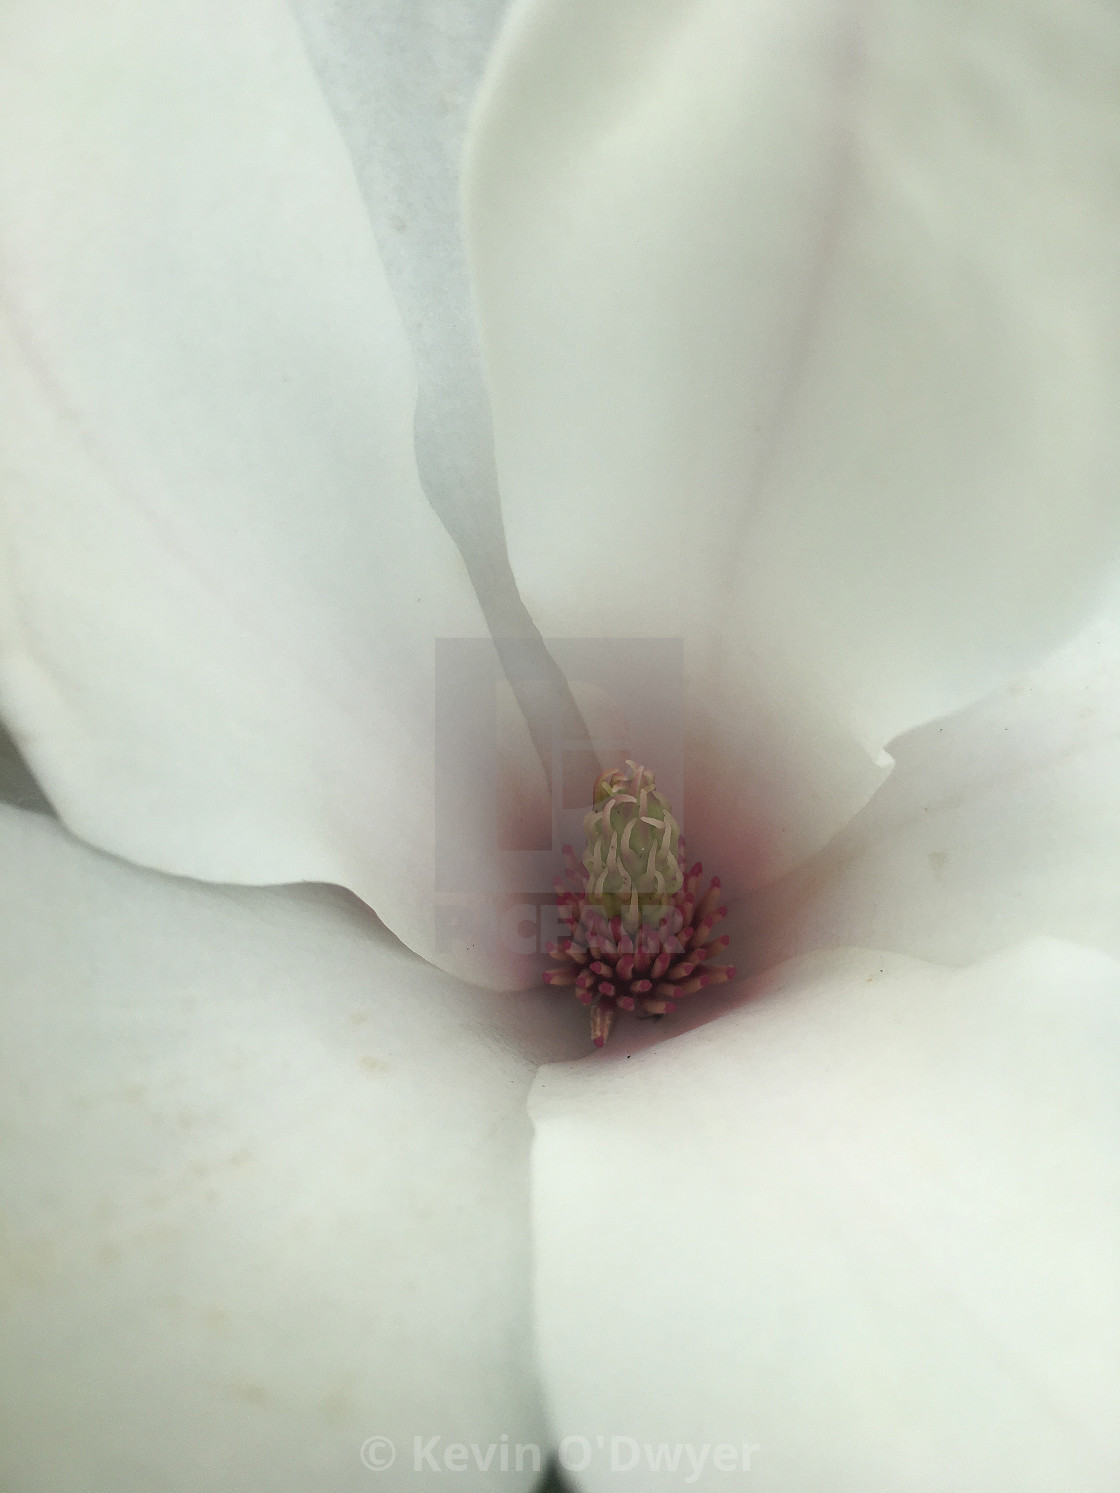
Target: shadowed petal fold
x,y
998,823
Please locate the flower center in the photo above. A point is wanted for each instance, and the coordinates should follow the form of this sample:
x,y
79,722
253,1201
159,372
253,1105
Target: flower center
x,y
639,927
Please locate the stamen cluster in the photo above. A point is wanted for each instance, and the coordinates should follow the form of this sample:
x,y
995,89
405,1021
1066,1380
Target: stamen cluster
x,y
634,942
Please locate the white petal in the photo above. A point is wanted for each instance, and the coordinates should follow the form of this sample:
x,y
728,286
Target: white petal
x,y
401,76
999,822
264,1185
868,1224
222,581
801,327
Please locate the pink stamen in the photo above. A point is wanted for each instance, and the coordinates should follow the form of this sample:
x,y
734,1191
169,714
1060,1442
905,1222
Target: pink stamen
x,y
658,948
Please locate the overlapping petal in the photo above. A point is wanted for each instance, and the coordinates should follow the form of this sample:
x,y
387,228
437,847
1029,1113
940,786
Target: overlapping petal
x,y
263,1186
400,77
222,583
999,823
862,1232
801,328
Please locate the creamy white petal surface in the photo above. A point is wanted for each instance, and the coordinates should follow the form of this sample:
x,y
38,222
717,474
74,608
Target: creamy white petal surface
x,y
868,1225
400,77
801,327
263,1186
997,823
221,581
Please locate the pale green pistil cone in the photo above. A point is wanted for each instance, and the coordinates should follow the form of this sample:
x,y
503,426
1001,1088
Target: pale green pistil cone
x,y
633,844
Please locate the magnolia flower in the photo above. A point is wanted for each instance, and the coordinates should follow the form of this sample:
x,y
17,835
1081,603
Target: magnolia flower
x,y
796,344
